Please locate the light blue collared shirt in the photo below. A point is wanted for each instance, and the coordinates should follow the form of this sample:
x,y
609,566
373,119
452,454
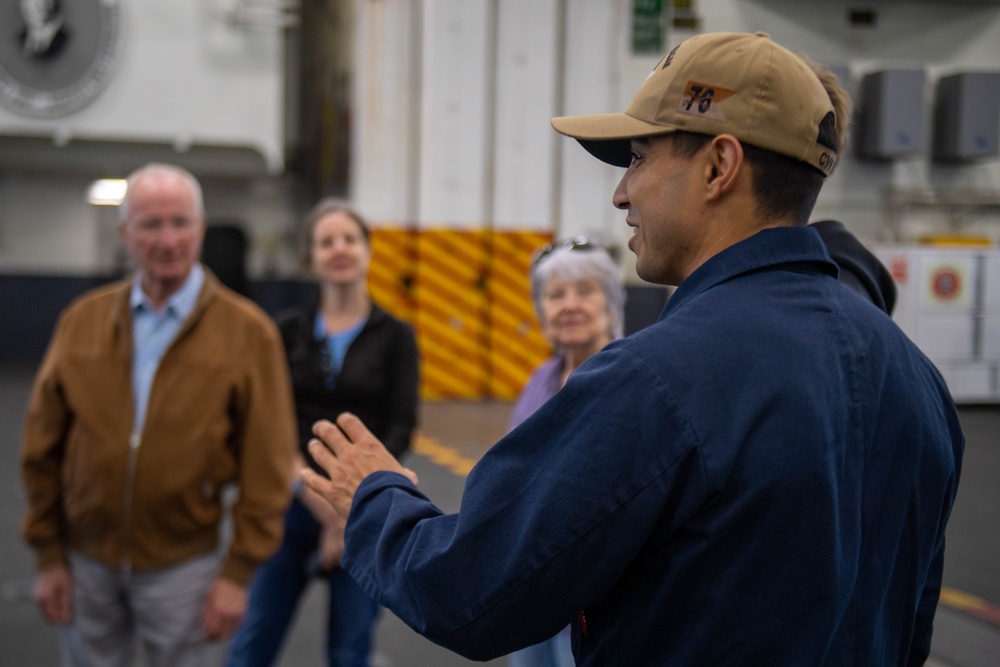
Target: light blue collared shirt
x,y
152,333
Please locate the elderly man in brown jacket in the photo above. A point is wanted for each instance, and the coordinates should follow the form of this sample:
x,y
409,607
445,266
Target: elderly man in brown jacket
x,y
155,394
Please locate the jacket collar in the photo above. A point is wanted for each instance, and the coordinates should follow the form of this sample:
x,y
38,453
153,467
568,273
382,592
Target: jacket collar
x,y
768,249
181,302
123,318
305,320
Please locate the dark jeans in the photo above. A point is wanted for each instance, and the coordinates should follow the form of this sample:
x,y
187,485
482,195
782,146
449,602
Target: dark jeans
x,y
275,593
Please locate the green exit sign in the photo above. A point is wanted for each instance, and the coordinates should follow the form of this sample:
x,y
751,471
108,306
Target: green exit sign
x,y
647,26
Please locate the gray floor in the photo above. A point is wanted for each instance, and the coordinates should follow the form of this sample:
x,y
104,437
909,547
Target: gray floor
x,y
961,638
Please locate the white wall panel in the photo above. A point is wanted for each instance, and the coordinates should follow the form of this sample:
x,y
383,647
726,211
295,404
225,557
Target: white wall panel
x,y
593,80
456,112
527,93
385,169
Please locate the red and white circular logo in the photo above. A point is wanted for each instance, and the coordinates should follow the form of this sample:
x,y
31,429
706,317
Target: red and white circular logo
x,y
946,283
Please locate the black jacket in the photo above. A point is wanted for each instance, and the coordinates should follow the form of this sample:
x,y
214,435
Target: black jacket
x,y
377,382
859,268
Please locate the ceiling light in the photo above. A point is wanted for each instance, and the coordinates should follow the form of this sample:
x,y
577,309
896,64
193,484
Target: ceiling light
x,y
107,192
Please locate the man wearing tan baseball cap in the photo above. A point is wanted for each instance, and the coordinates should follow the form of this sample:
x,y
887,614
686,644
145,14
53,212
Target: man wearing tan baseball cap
x,y
761,477
764,110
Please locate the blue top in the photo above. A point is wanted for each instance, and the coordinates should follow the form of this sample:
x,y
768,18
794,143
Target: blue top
x,y
334,347
153,331
762,477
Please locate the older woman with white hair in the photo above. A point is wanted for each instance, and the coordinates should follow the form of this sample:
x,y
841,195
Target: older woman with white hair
x,y
580,301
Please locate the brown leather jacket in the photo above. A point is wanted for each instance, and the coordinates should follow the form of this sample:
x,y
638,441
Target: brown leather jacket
x,y
220,412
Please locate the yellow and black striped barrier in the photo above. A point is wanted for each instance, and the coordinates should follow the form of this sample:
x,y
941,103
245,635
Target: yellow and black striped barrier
x,y
467,295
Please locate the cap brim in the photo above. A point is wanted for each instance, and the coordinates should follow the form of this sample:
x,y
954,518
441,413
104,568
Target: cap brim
x,y
607,136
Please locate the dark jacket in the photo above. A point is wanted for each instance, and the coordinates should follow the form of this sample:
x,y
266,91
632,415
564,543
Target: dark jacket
x,y
762,477
377,382
860,269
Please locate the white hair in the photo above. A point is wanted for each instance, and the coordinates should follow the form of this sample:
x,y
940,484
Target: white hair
x,y
159,168
579,264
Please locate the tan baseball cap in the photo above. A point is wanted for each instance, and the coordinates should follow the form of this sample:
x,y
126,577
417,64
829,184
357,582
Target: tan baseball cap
x,y
719,83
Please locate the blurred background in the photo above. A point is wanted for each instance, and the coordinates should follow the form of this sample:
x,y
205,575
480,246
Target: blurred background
x,y
432,117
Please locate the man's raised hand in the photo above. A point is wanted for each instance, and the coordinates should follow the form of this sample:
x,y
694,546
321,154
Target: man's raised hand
x,y
348,452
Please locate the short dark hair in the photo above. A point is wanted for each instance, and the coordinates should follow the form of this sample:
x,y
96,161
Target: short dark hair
x,y
783,186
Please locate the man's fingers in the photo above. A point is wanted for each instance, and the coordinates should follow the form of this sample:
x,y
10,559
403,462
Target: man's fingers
x,y
332,436
225,607
53,594
51,610
317,483
321,454
353,427
320,485
348,452
217,626
58,610
325,489
211,628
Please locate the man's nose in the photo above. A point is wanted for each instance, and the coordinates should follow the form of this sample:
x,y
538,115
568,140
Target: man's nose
x,y
170,235
620,197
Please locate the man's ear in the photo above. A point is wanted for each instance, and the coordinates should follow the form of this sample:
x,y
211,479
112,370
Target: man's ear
x,y
725,165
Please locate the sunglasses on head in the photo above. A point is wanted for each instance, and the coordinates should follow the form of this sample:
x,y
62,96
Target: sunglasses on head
x,y
575,243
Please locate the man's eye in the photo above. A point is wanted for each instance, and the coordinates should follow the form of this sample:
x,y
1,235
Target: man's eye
x,y
635,157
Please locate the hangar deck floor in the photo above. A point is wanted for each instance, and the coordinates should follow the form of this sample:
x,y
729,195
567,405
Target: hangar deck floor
x,y
454,434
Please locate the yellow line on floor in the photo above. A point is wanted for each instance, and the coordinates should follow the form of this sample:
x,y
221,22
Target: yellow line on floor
x,y
970,604
443,455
